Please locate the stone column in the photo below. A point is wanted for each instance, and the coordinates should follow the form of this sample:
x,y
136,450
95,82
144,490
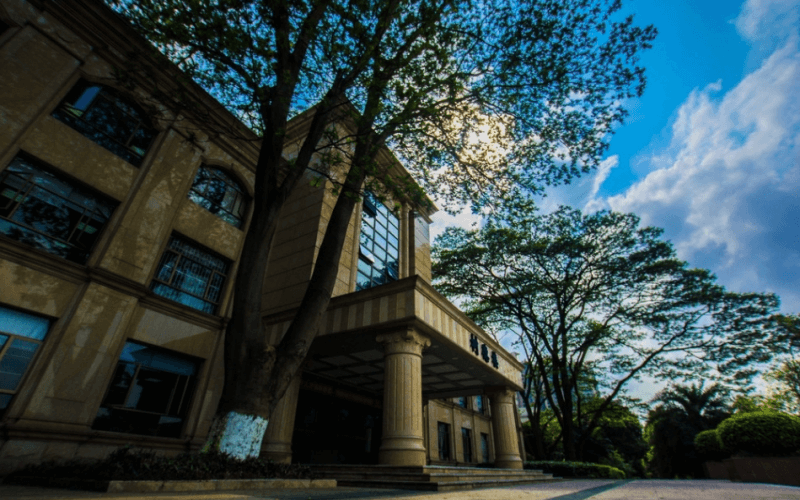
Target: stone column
x,y
506,443
277,444
402,442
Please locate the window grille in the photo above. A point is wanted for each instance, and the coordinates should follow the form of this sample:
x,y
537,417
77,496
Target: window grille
x,y
191,275
49,211
379,250
108,119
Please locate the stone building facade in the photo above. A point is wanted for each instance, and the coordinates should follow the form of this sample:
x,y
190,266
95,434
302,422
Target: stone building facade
x,y
120,229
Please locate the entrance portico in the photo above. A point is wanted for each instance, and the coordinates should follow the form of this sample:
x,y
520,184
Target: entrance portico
x,y
406,344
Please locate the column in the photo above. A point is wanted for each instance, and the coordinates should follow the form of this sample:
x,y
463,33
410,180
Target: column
x,y
504,427
277,444
402,442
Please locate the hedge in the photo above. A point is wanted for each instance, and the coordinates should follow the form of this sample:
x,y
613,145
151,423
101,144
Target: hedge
x,y
761,433
576,469
130,464
708,446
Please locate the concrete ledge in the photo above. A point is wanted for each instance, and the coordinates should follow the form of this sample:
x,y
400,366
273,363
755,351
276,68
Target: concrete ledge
x,y
174,486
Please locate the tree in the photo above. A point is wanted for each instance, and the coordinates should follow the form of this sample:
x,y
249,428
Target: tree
x,y
684,412
581,290
617,440
785,373
435,79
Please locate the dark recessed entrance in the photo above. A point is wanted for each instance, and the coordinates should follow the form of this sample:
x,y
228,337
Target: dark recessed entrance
x,y
332,430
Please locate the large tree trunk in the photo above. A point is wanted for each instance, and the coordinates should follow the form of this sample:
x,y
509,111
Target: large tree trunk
x,y
259,374
243,412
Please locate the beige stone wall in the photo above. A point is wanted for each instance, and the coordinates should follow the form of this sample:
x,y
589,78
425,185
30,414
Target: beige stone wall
x,y
450,412
95,308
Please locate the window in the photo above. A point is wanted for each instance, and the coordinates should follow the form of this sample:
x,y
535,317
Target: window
x,y
149,393
108,119
21,335
462,402
466,443
444,441
50,212
484,447
379,247
190,275
218,193
481,407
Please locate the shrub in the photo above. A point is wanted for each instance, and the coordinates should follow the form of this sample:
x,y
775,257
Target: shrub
x,y
708,447
764,433
576,469
128,464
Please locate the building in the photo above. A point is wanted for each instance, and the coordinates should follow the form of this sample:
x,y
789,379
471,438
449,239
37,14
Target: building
x,y
120,229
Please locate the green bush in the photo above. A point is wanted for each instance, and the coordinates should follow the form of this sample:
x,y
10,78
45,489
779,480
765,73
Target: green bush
x,y
128,464
762,433
576,469
708,447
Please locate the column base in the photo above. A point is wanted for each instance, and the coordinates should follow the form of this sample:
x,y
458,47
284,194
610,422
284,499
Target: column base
x,y
511,463
280,453
402,451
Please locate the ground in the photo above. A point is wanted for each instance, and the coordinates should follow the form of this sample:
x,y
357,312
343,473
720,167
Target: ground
x,y
566,490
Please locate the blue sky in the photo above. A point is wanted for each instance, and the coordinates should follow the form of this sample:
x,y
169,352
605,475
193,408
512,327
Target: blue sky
x,y
711,152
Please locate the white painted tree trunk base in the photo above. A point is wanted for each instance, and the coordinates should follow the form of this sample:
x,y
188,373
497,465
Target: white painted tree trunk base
x,y
237,435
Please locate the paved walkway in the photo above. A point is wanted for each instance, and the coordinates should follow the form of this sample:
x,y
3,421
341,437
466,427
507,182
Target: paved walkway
x,y
566,490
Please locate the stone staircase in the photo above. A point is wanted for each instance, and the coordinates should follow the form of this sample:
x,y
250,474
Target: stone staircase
x,y
428,478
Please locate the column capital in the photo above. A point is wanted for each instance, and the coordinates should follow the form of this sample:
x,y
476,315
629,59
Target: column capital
x,y
406,342
501,395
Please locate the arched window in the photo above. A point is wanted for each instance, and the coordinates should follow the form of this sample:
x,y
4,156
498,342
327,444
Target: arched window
x,y
108,119
220,194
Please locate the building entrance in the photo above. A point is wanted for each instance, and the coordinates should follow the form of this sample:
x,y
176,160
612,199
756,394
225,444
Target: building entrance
x,y
331,430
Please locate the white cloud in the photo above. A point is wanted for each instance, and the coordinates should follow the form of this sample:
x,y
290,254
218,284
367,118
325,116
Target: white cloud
x,y
594,204
771,19
729,198
442,220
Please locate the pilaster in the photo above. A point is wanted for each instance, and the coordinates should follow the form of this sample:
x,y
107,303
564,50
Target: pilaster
x,y
277,444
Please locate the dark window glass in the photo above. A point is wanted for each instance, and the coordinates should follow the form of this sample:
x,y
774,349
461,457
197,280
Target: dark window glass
x,y
149,393
444,441
462,402
466,443
50,212
21,335
218,193
107,119
379,250
190,275
479,402
484,447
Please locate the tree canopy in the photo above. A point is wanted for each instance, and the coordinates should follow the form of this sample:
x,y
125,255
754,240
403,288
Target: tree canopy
x,y
597,291
477,100
682,413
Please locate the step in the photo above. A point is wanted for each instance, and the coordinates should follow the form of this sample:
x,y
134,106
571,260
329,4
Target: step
x,y
434,486
437,478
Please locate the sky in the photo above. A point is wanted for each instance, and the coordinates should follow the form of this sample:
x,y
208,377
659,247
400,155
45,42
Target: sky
x,y
711,152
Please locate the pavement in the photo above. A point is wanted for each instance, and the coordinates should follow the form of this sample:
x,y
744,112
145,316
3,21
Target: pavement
x,y
565,490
